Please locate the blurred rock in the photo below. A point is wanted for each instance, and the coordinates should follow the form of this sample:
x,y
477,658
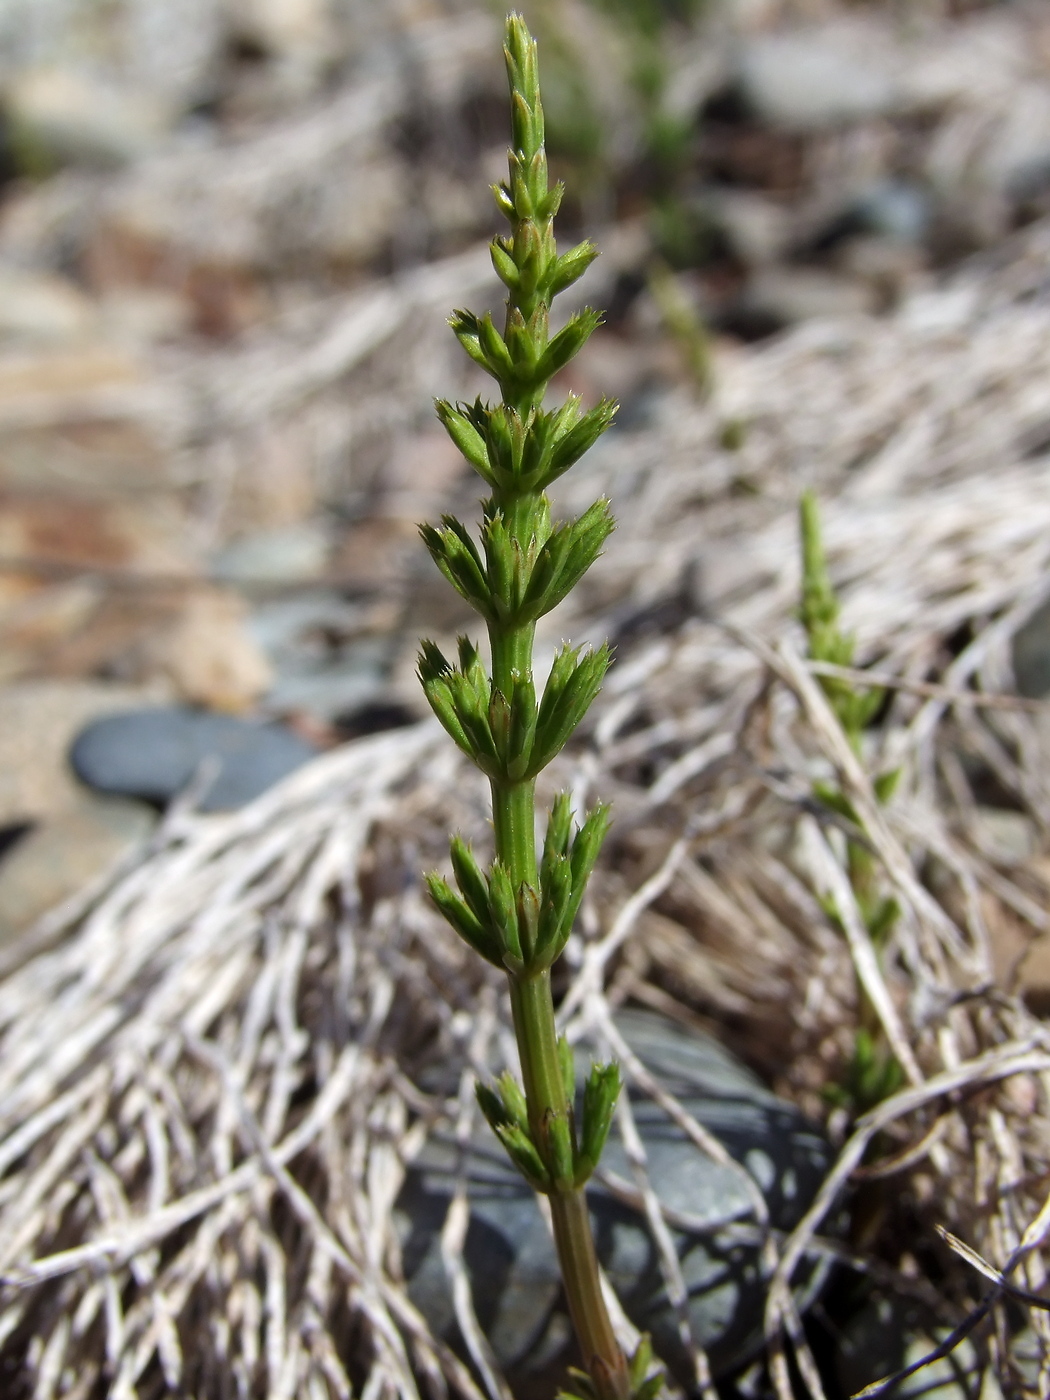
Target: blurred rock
x,y
757,229
209,656
888,267
419,474
456,206
987,156
508,1249
88,421
38,720
377,554
154,754
302,627
323,189
619,366
297,36
40,310
787,294
814,79
329,656
114,639
64,854
313,193
168,50
374,717
33,625
138,241
974,63
1002,171
73,534
32,385
142,316
289,554
59,116
286,27
356,214
354,676
83,456
900,210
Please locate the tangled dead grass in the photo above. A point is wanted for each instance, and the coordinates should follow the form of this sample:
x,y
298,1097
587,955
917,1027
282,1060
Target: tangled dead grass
x,y
208,1085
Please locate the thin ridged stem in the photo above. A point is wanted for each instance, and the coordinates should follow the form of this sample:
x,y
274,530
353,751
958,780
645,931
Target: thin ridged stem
x,y
534,1028
511,651
514,826
513,804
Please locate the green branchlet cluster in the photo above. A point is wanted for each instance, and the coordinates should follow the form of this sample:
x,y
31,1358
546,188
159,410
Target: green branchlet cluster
x,y
854,707
570,1161
523,929
872,1075
873,1072
509,736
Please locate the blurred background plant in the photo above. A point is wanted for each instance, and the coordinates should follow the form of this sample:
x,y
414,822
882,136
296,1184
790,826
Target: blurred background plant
x,y
873,1072
644,152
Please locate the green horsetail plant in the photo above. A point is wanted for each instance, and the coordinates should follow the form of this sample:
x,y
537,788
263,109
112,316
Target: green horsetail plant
x,y
873,1072
519,913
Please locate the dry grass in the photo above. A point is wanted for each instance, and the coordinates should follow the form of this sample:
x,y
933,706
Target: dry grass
x,y
208,1088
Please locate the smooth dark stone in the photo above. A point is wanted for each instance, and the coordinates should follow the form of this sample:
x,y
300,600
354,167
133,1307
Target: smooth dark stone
x,y
1031,655
510,1257
374,718
153,754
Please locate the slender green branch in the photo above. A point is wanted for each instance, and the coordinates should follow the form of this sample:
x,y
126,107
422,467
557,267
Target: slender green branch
x,y
519,913
873,1072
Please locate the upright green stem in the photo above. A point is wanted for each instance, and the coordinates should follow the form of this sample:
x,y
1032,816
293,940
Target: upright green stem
x,y
514,826
511,652
513,803
605,1362
533,1010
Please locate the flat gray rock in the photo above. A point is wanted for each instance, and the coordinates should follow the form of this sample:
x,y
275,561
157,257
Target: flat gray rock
x,y
509,1254
153,754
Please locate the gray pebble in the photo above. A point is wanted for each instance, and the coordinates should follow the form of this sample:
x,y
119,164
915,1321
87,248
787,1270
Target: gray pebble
x,y
153,754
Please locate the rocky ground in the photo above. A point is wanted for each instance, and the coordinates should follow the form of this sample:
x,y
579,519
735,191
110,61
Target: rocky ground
x,y
229,237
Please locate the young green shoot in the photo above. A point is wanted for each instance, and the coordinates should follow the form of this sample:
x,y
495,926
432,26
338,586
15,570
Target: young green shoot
x,y
873,1072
